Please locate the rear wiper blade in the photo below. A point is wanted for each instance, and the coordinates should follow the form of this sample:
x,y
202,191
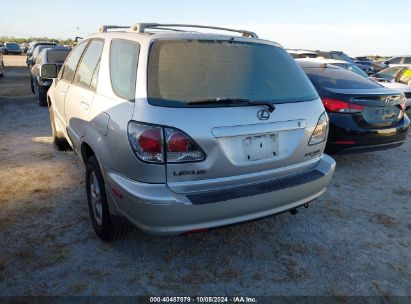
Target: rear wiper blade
x,y
243,101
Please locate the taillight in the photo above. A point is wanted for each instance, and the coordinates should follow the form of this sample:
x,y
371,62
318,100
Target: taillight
x,y
334,105
150,140
181,148
177,142
148,143
321,131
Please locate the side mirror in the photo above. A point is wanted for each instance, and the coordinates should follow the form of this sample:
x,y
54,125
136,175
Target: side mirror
x,y
48,71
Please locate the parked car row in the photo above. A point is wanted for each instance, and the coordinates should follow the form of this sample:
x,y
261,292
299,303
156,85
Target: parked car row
x,y
183,131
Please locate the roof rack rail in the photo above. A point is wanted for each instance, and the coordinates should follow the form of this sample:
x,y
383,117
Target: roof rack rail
x,y
105,28
141,27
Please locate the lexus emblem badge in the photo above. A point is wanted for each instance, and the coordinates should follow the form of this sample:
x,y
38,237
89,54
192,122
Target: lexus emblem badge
x,y
263,115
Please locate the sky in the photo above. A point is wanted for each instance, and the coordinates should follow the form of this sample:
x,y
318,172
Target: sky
x,y
361,27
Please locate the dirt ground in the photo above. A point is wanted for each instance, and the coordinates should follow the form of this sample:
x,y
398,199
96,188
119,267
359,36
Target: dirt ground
x,y
354,240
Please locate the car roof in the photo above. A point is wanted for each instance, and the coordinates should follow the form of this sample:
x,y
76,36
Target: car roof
x,y
166,31
305,63
324,60
301,52
56,49
151,36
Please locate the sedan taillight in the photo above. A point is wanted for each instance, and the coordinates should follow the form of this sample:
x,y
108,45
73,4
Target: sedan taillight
x,y
335,105
157,144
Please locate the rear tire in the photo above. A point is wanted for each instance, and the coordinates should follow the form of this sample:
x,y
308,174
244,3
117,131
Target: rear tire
x,y
105,228
60,143
42,97
32,85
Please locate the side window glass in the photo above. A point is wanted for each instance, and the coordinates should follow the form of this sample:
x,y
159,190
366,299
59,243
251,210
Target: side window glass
x,y
395,60
70,66
94,79
89,63
123,67
407,60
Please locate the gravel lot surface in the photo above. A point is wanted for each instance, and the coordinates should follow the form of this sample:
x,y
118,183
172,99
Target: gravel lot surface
x,y
354,240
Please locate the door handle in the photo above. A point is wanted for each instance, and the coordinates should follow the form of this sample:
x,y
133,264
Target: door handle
x,y
84,105
63,92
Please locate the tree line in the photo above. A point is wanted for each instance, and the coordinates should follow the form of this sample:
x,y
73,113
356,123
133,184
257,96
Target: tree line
x,y
4,39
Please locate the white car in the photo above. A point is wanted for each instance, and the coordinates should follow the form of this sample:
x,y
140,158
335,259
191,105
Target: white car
x,y
302,53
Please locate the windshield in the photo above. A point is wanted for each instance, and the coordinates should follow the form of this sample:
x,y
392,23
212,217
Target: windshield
x,y
352,68
341,56
181,71
389,73
13,46
334,78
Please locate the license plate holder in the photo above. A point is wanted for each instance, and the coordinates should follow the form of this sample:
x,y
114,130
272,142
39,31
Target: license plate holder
x,y
260,147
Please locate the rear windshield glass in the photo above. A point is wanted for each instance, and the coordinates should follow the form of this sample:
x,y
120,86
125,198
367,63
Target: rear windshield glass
x,y
191,70
352,67
12,45
339,79
341,56
307,55
39,48
57,56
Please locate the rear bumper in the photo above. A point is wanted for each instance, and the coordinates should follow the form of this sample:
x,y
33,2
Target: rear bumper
x,y
155,209
12,52
347,137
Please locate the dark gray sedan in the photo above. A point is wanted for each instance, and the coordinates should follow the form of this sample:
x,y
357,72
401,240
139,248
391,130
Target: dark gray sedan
x,y
39,85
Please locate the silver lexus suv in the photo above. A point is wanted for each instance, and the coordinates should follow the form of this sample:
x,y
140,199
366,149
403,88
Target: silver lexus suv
x,y
182,130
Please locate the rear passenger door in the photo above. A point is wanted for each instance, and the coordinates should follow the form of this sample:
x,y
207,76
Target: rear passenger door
x,y
81,93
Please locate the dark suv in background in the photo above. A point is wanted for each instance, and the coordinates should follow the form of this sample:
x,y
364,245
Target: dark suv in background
x,y
11,48
39,85
30,59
